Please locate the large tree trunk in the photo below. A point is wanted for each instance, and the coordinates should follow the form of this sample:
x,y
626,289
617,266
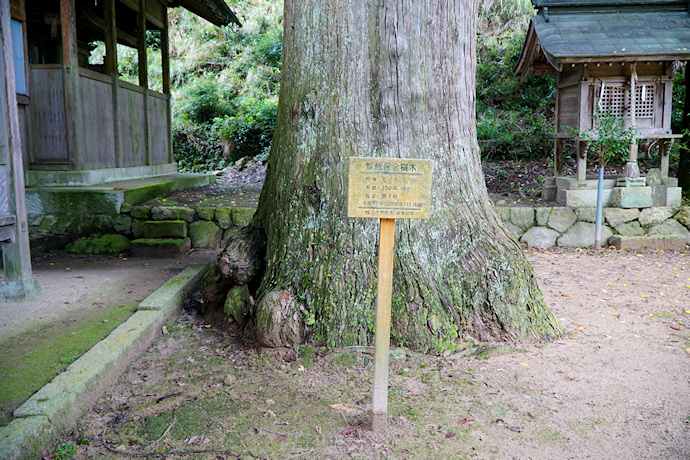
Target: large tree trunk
x,y
385,78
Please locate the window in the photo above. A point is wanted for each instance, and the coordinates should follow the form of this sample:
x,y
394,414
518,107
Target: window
x,y
19,67
616,100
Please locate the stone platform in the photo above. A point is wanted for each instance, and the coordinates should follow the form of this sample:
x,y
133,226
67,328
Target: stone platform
x,y
658,191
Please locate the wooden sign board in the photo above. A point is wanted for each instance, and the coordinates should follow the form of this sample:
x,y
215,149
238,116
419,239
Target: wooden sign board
x,y
389,188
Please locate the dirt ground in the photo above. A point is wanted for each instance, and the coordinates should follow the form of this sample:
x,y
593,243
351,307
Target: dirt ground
x,y
615,385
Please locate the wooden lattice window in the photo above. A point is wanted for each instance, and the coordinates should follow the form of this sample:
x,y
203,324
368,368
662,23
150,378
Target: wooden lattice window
x,y
615,99
644,101
612,99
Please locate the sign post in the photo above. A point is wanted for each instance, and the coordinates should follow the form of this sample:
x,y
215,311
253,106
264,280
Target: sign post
x,y
387,189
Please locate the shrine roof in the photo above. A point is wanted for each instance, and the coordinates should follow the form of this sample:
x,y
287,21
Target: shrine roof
x,y
604,31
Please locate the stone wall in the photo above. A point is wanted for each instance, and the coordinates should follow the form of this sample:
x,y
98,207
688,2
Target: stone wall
x,y
568,227
208,227
203,227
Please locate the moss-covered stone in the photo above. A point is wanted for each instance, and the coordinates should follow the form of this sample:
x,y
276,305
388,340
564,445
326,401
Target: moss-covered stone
x,y
123,224
223,217
238,304
206,213
242,217
137,228
47,224
61,225
173,213
141,212
204,234
125,208
106,244
165,229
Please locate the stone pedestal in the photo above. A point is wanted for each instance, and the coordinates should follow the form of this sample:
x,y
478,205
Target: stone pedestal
x,y
632,197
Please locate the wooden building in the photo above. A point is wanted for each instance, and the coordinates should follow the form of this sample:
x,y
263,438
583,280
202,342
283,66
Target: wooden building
x,y
81,124
608,55
65,121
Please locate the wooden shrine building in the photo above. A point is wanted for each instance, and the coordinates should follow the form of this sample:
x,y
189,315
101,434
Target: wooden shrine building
x,y
81,124
68,120
608,56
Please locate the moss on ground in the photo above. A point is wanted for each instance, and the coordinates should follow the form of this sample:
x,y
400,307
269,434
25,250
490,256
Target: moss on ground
x,y
32,357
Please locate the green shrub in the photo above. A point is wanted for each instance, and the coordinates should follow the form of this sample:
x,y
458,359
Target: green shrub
x,y
249,132
514,118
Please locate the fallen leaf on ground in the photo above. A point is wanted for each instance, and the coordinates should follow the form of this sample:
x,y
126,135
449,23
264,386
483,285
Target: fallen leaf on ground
x,y
344,408
516,429
450,434
465,421
348,431
524,364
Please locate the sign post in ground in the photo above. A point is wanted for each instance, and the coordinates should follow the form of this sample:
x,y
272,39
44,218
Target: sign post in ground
x,y
387,189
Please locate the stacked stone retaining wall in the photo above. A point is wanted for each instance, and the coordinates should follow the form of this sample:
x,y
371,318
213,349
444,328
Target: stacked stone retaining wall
x,y
208,227
568,227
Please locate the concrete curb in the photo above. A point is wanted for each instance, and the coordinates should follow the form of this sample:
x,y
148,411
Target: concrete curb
x,y
55,408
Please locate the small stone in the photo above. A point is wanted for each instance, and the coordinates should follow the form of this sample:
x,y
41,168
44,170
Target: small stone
x,y
141,212
561,219
540,237
671,227
206,213
522,217
581,235
164,330
240,164
655,216
173,213
630,228
683,216
617,216
229,380
543,216
204,234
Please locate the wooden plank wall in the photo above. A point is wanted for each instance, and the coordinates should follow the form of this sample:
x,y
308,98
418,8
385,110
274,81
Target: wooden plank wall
x,y
131,114
48,129
159,128
97,126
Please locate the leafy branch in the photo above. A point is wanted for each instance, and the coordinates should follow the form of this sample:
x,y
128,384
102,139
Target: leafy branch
x,y
609,139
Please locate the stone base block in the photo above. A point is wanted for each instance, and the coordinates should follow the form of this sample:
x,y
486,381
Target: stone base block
x,y
586,198
548,190
159,247
666,242
18,291
632,197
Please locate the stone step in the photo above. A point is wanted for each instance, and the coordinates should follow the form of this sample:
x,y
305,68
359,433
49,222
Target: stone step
x,y
657,241
158,247
164,229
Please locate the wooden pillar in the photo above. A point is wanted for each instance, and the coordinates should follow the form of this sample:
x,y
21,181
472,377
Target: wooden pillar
x,y
70,75
143,72
165,62
581,160
19,282
111,69
632,170
664,145
558,157
383,325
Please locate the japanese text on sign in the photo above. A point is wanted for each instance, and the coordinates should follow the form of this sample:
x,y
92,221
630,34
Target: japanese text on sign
x,y
389,188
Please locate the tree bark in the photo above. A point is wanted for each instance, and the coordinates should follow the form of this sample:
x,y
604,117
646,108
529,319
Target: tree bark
x,y
684,157
396,79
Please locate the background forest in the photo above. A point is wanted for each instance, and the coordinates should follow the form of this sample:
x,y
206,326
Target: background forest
x,y
225,85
